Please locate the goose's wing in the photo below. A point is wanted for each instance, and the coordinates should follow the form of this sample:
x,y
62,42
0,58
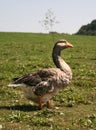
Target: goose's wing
x,y
45,81
30,79
33,79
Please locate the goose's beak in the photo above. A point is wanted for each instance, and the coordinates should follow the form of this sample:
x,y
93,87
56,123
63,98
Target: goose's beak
x,y
69,45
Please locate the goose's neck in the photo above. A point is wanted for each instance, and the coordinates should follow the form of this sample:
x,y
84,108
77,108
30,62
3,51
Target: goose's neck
x,y
59,62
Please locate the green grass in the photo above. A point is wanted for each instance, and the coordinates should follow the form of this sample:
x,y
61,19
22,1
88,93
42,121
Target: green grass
x,y
21,53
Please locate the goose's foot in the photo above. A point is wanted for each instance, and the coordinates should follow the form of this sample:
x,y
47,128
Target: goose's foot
x,y
51,107
48,105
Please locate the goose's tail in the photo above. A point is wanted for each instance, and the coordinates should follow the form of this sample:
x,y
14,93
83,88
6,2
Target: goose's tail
x,y
15,83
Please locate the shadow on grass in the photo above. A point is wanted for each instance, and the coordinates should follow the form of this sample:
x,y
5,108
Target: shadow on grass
x,y
24,108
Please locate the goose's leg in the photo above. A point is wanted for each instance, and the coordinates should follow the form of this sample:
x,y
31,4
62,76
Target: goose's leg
x,y
48,105
40,103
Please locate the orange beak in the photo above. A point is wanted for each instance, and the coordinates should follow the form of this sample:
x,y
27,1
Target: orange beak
x,y
69,45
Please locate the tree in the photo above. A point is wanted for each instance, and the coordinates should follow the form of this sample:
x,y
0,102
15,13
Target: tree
x,y
89,29
49,21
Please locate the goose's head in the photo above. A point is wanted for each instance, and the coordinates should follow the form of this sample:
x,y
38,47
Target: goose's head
x,y
62,44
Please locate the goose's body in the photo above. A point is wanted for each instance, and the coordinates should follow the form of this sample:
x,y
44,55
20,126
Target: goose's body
x,y
42,85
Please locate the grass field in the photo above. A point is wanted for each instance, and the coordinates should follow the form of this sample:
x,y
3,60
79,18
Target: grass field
x,y
21,53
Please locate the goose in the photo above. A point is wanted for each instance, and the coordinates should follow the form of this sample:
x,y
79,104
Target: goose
x,y
42,85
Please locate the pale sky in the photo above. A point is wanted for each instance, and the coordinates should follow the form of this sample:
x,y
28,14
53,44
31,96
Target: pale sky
x,y
24,15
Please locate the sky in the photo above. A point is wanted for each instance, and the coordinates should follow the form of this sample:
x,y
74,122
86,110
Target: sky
x,y
24,15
